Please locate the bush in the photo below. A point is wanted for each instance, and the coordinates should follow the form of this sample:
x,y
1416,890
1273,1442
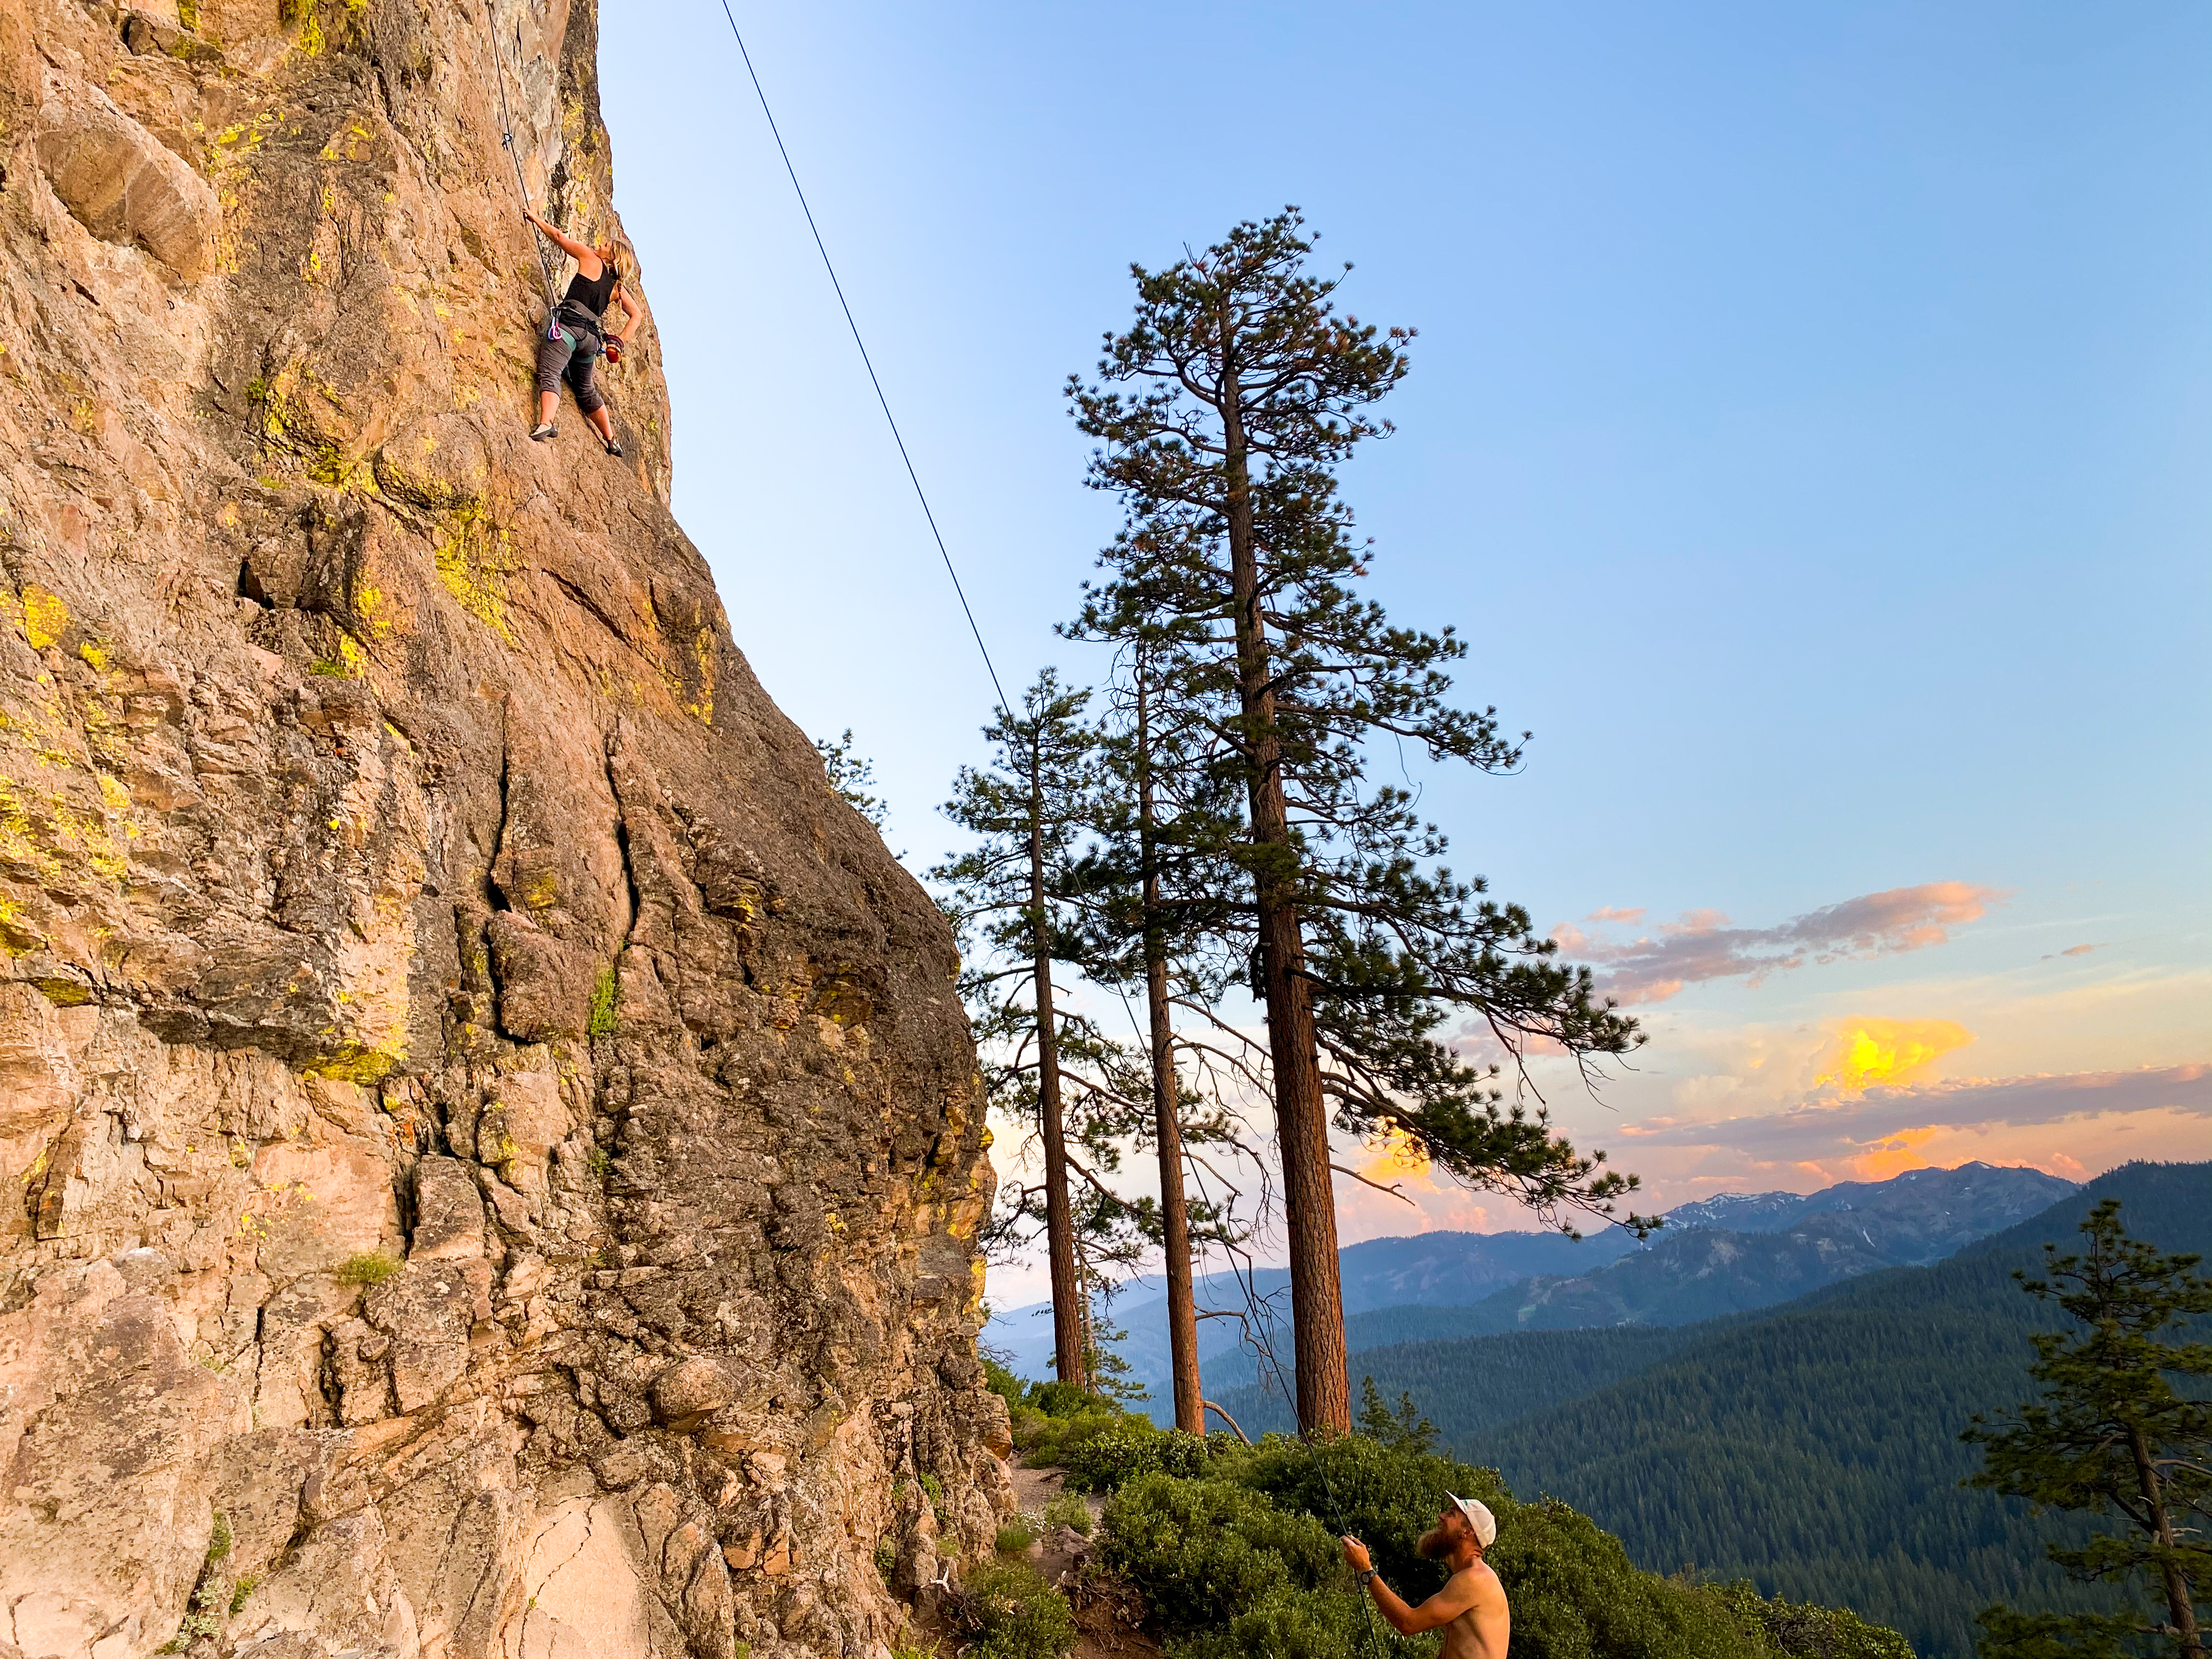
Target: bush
x,y
1243,1563
1575,1592
1009,1612
1068,1511
1202,1551
1058,1419
1113,1457
1016,1535
1002,1383
1066,1400
1229,1575
1801,1631
370,1267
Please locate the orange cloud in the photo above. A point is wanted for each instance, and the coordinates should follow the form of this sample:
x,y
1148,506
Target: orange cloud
x,y
1869,1053
1905,1150
1394,1154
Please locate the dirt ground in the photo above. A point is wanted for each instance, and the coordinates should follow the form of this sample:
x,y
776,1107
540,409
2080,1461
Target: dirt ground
x,y
1107,1631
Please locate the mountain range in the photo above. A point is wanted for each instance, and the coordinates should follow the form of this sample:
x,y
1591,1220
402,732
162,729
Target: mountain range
x,y
1732,1254
1426,1269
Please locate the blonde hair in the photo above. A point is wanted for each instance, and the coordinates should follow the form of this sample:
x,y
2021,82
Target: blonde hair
x,y
613,252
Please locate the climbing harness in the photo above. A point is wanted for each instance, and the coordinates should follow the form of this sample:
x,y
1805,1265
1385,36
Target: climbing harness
x,y
521,189
913,477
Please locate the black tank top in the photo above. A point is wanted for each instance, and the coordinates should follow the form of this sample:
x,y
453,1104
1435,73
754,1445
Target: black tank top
x,y
592,294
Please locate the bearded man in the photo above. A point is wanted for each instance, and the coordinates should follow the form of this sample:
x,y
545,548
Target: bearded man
x,y
1471,1607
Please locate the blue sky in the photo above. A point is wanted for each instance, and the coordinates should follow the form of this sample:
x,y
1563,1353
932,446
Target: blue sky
x,y
1807,426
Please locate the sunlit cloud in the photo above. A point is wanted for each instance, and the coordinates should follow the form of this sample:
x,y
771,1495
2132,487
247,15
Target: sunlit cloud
x,y
1905,1150
1392,1154
1871,1052
1700,945
1832,1126
2073,951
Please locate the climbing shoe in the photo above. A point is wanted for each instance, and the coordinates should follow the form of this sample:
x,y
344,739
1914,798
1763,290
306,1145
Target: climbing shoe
x,y
538,435
614,447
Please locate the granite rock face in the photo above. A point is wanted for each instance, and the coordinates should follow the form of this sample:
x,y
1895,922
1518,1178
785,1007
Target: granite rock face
x,y
493,1138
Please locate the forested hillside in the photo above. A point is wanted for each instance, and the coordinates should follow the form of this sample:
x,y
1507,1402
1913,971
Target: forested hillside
x,y
1735,1253
1479,1382
1815,1450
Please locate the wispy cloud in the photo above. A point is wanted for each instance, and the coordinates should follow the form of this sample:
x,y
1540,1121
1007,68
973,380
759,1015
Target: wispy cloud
x,y
2073,951
1702,945
1834,1127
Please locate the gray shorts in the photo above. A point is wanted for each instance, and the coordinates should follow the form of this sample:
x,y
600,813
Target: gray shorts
x,y
573,352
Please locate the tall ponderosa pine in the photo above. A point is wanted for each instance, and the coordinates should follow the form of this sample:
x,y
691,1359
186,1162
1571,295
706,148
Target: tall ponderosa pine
x,y
1029,806
2113,1435
1224,411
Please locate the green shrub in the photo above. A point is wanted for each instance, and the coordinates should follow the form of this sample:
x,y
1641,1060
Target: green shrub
x,y
1009,1612
1575,1592
1116,1455
1065,1399
604,1021
1016,1535
1203,1550
1317,1624
369,1267
1228,1575
886,1558
1053,1437
1243,1563
1801,1631
1068,1511
1003,1382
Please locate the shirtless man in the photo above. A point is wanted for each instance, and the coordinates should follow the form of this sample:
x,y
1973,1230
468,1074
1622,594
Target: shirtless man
x,y
1471,1607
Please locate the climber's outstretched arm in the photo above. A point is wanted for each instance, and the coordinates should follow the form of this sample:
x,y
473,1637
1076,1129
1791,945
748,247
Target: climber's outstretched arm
x,y
579,252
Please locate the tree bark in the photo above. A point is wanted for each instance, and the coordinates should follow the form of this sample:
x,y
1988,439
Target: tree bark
x,y
1324,1388
1175,1213
1067,1324
2180,1601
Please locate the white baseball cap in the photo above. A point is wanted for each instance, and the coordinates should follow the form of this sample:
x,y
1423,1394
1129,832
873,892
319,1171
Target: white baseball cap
x,y
1479,1517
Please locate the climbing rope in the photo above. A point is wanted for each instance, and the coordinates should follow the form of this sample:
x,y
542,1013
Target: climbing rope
x,y
1366,1597
913,477
507,143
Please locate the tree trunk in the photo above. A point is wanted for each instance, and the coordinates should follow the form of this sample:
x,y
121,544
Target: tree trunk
x,y
2180,1600
1301,1117
1067,1333
1175,1213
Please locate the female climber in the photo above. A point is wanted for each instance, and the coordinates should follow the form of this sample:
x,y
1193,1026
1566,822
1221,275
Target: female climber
x,y
574,332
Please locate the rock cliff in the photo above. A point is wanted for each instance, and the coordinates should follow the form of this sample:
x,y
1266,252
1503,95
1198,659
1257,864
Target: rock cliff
x,y
492,1137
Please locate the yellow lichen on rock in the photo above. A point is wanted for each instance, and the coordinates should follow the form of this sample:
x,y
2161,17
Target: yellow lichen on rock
x,y
45,618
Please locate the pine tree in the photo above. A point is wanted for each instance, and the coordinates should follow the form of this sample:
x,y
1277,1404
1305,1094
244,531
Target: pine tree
x,y
2113,1435
852,777
1152,893
1245,390
1029,806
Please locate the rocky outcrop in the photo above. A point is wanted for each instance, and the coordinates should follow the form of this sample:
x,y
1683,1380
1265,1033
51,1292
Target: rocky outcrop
x,y
495,1142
